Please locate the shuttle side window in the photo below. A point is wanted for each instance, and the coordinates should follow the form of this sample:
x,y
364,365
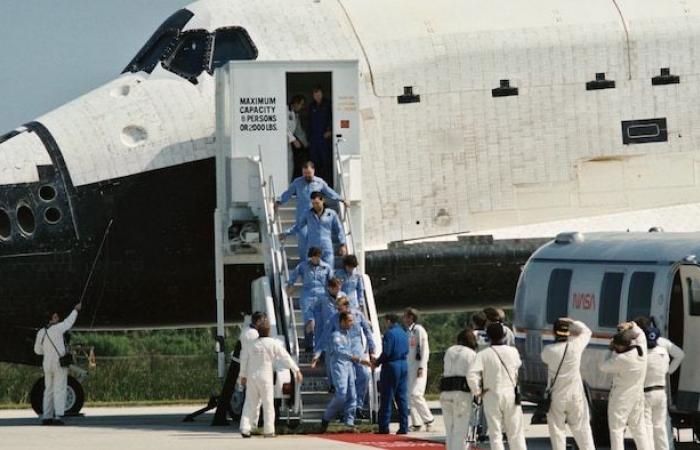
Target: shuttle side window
x,y
189,59
639,296
610,294
160,44
232,44
558,294
694,300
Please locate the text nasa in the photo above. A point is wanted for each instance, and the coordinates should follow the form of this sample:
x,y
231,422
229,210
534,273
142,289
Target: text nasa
x,y
258,114
583,300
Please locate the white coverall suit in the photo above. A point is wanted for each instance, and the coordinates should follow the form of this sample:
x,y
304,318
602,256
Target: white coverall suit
x,y
568,398
418,347
55,376
655,402
677,355
626,401
499,398
257,367
457,405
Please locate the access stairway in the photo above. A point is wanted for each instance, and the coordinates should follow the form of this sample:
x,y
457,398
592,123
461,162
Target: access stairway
x,y
310,399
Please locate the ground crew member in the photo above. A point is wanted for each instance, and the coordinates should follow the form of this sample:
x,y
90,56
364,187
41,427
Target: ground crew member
x,y
49,342
455,398
675,353
247,337
494,315
250,334
322,225
655,401
257,375
323,311
393,379
627,363
353,286
315,275
497,368
301,188
418,355
342,357
363,344
568,404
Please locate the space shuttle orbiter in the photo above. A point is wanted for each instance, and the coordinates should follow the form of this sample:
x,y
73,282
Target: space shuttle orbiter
x,y
474,116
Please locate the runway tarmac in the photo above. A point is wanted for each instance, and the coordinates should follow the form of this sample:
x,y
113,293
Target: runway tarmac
x,y
161,427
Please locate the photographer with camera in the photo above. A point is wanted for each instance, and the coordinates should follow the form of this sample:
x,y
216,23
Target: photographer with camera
x,y
565,400
49,342
627,363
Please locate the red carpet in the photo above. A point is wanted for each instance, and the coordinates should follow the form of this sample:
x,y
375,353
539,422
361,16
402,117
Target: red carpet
x,y
388,441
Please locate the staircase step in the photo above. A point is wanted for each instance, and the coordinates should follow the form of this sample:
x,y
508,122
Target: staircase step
x,y
315,384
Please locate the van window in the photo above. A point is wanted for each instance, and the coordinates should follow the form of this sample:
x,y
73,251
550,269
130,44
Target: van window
x,y
694,297
639,296
610,293
558,294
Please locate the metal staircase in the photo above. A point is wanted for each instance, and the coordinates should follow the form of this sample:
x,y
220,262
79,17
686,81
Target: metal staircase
x,y
310,399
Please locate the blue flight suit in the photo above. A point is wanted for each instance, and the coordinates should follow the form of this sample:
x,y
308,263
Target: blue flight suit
x,y
393,380
315,282
341,353
360,328
353,286
324,309
320,230
302,189
321,121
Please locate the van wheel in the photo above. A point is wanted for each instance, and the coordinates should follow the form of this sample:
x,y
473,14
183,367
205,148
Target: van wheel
x,y
599,424
75,397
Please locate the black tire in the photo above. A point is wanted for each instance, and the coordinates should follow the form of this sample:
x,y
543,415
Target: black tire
x,y
75,397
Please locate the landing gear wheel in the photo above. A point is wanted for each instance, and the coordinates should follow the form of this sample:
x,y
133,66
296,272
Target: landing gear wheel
x,y
75,397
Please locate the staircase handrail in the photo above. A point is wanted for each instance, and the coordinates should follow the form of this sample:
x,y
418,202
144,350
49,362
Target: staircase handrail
x,y
279,270
287,302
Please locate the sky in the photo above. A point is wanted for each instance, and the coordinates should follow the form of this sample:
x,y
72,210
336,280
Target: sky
x,y
52,51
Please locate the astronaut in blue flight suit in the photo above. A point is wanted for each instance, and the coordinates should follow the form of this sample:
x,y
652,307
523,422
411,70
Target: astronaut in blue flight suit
x,y
315,275
324,309
301,188
320,133
342,357
393,381
353,285
363,344
322,225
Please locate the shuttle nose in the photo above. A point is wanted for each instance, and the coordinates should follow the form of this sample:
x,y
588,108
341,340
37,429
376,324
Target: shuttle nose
x,y
35,213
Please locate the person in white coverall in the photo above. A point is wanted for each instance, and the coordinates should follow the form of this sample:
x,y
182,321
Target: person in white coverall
x,y
655,401
247,337
675,353
497,369
568,399
455,398
627,362
49,342
418,355
257,371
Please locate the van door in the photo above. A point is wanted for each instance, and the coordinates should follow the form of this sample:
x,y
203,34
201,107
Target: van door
x,y
689,386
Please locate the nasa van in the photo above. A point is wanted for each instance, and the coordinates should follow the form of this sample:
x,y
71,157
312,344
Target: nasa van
x,y
603,279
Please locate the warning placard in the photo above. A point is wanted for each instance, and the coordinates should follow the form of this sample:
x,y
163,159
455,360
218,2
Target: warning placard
x,y
257,114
